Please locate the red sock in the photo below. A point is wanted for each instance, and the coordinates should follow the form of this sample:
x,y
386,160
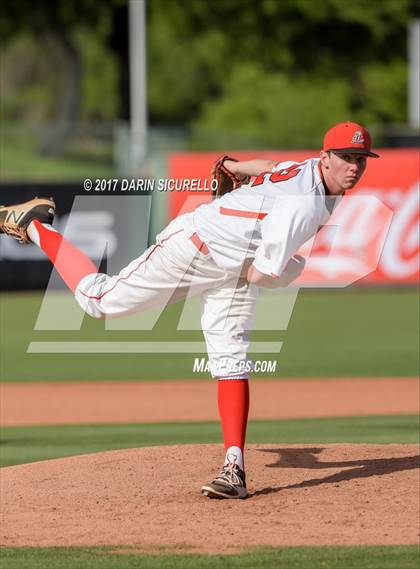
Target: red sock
x,y
70,263
233,400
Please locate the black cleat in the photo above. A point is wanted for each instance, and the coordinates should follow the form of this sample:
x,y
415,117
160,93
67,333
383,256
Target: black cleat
x,y
230,483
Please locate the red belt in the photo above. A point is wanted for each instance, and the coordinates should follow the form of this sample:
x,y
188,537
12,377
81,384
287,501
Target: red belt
x,y
201,246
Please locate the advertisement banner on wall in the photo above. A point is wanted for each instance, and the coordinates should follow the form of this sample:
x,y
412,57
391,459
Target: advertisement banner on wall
x,y
373,239
111,228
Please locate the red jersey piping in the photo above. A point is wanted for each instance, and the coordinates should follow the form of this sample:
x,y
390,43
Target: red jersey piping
x,y
134,270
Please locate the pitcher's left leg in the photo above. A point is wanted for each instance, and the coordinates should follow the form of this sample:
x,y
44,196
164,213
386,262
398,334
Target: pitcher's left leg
x,y
227,319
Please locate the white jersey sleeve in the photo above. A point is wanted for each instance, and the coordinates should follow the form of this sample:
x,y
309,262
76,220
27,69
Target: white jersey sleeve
x,y
293,220
269,218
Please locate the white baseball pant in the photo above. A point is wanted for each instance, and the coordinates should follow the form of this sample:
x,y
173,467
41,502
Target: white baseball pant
x,y
177,265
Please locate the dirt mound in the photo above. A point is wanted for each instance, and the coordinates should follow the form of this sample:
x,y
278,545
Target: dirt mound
x,y
149,497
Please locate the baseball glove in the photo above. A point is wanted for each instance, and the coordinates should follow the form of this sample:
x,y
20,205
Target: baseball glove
x,y
226,181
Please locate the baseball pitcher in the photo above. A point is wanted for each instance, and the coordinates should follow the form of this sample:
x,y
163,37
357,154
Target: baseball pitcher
x,y
224,251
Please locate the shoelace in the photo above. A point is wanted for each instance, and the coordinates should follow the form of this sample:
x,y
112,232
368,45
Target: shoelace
x,y
229,474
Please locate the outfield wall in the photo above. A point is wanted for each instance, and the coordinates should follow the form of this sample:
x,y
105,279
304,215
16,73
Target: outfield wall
x,y
372,239
111,227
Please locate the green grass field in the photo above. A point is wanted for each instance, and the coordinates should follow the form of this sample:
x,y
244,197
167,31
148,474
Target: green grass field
x,y
21,160
25,444
392,557
354,332
332,333
28,444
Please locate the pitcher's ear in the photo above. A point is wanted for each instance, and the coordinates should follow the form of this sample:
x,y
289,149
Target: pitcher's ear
x,y
325,159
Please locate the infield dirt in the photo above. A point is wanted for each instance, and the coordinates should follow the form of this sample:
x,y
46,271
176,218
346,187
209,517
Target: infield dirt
x,y
195,400
149,497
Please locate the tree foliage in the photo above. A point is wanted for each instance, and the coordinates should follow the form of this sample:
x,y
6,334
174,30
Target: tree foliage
x,y
271,110
276,71
269,72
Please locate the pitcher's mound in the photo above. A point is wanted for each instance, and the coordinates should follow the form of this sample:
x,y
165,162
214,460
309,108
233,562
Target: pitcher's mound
x,y
150,497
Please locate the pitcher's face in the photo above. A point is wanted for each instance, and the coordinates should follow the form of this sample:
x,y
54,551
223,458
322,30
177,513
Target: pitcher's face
x,y
343,170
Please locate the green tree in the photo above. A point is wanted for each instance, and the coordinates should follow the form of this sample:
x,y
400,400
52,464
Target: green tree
x,y
215,65
272,71
271,110
52,27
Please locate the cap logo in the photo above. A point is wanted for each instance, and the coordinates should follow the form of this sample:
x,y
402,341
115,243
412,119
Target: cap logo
x,y
358,137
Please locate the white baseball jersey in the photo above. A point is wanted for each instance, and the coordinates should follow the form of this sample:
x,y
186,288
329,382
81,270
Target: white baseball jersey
x,y
202,253
268,219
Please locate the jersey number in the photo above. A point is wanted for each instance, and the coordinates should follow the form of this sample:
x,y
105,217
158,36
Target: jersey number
x,y
279,176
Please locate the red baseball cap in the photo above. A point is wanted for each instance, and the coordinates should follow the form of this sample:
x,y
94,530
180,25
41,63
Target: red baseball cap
x,y
349,137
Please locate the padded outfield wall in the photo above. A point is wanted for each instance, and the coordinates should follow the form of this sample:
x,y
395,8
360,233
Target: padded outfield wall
x,y
372,237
